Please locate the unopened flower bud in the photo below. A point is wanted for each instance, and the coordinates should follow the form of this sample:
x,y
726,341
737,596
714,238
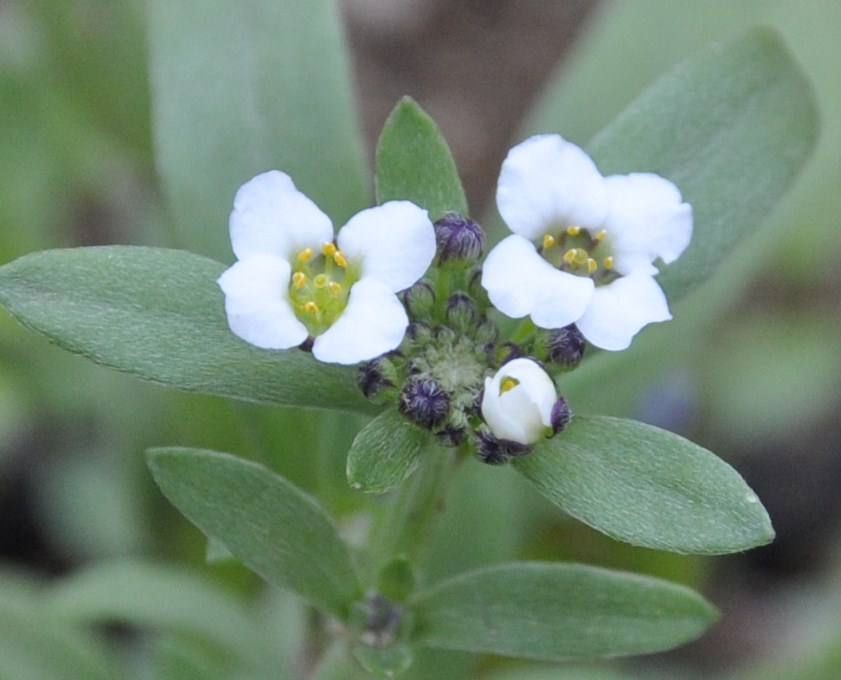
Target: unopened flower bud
x,y
494,451
419,299
460,312
518,401
460,240
562,346
377,379
561,415
424,402
486,332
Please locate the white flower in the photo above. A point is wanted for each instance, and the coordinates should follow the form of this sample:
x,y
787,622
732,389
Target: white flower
x,y
518,401
583,245
293,279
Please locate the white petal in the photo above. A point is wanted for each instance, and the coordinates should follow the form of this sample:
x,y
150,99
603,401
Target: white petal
x,y
271,216
549,182
520,282
647,219
620,309
257,303
373,323
523,412
393,243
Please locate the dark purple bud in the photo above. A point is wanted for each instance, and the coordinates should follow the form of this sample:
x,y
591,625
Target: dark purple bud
x,y
563,346
460,312
424,402
376,376
460,240
419,299
561,415
495,451
450,435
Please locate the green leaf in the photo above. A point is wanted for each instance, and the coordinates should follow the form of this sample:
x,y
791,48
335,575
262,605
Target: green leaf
x,y
646,486
271,526
558,612
159,315
385,452
414,163
242,87
732,127
160,599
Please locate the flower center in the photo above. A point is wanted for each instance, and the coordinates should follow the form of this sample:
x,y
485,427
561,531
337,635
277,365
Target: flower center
x,y
507,385
577,251
320,286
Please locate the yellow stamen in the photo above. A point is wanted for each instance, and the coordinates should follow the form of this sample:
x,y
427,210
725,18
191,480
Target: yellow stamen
x,y
601,235
569,256
581,256
592,265
311,308
321,280
329,249
508,384
335,288
298,280
608,262
573,230
305,254
339,259
548,241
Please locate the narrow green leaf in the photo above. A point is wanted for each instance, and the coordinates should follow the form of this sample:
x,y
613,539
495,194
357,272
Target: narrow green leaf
x,y
732,127
158,314
270,525
242,87
648,487
558,612
414,163
385,452
158,598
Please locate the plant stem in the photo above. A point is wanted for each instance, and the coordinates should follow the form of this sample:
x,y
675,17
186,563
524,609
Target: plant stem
x,y
407,524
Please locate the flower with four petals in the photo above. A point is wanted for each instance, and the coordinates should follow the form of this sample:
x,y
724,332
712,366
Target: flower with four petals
x,y
583,245
295,279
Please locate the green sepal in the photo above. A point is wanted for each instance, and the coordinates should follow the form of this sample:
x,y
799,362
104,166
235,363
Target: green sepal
x,y
158,314
270,525
414,163
648,487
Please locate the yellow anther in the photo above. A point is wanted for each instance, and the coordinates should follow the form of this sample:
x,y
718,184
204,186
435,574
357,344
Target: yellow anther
x,y
573,230
305,254
340,259
601,235
508,384
335,288
608,262
311,308
592,265
569,256
329,249
548,241
298,280
581,256
321,280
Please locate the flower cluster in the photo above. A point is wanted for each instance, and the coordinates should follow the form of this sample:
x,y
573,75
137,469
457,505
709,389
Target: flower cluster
x,y
412,304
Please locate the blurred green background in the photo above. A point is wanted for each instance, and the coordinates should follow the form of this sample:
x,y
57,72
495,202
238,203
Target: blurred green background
x,y
750,367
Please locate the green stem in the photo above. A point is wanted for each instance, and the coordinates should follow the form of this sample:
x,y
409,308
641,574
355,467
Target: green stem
x,y
525,328
406,525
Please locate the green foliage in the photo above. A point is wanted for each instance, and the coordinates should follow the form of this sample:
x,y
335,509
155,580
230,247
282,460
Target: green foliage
x,y
558,612
158,314
267,523
733,144
240,88
385,452
414,163
647,486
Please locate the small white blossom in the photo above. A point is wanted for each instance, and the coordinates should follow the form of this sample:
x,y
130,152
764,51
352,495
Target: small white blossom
x,y
517,402
583,245
294,279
